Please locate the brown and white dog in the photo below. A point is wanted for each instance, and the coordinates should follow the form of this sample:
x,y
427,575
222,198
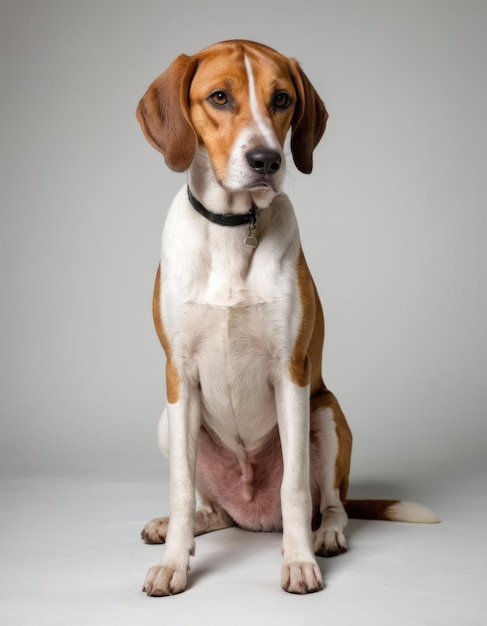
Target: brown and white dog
x,y
249,422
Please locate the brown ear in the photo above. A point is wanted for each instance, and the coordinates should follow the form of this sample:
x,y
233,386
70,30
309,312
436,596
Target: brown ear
x,y
163,114
309,120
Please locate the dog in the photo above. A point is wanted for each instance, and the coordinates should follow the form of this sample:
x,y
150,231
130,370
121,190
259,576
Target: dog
x,y
249,423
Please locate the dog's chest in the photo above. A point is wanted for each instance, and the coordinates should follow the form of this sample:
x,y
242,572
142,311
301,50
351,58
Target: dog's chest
x,y
231,316
232,356
235,341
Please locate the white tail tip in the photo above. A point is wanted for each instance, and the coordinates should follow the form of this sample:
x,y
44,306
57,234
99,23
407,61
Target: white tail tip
x,y
411,512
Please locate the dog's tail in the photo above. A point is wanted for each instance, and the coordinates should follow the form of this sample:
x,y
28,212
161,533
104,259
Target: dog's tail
x,y
390,510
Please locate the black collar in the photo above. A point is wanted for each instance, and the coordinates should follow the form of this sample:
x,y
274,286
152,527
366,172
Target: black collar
x,y
227,219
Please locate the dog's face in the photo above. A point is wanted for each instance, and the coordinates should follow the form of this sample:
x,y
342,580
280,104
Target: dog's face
x,y
235,102
241,107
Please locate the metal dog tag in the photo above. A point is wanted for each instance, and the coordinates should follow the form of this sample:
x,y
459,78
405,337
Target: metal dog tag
x,y
251,241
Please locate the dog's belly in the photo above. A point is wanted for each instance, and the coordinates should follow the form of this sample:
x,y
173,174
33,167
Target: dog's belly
x,y
247,488
239,455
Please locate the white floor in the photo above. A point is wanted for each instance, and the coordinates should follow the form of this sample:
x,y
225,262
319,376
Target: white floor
x,y
71,554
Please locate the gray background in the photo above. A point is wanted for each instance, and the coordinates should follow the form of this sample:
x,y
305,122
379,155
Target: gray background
x,y
392,221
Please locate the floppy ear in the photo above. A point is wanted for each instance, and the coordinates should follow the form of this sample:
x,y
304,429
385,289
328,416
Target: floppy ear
x,y
309,120
163,114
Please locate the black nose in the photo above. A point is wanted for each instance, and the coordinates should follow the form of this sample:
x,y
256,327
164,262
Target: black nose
x,y
264,161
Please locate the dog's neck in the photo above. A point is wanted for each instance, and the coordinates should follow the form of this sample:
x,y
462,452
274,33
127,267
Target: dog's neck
x,y
209,191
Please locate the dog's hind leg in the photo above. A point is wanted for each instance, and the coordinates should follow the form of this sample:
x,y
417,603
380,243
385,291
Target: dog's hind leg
x,y
207,519
331,444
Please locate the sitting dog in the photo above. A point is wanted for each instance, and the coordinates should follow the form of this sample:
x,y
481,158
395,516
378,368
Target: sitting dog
x,y
249,422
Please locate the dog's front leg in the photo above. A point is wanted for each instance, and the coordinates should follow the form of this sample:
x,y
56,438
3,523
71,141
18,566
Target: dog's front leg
x,y
170,576
300,572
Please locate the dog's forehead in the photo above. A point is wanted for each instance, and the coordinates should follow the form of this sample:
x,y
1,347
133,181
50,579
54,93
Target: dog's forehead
x,y
226,63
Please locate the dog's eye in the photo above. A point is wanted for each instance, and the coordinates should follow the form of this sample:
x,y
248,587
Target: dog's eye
x,y
281,100
219,97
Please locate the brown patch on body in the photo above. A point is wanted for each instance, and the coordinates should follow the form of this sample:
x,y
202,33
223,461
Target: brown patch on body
x,y
305,367
172,376
305,364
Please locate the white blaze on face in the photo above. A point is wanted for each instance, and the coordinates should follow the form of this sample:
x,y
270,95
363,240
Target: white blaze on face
x,y
263,126
260,134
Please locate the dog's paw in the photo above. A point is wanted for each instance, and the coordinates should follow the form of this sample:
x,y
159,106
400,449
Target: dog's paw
x,y
329,542
165,581
299,577
155,531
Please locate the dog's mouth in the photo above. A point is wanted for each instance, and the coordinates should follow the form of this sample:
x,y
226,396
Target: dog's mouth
x,y
263,184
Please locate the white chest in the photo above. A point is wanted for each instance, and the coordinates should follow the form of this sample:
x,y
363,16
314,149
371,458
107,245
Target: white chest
x,y
231,316
232,354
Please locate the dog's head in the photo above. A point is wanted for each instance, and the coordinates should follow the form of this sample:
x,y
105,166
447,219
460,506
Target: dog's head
x,y
236,100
